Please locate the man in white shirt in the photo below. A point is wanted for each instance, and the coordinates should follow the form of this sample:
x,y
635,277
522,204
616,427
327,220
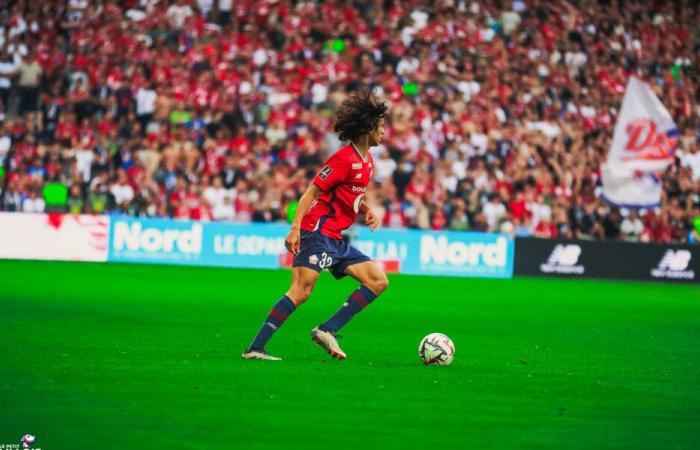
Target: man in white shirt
x,y
5,145
510,20
540,211
121,190
30,72
146,97
178,12
632,227
408,65
479,141
691,160
83,159
9,65
384,166
205,6
34,203
221,200
494,210
225,7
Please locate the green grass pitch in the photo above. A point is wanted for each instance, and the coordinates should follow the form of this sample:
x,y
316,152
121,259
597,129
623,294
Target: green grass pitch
x,y
110,356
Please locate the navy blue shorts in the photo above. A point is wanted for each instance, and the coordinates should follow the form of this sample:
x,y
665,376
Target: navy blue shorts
x,y
320,252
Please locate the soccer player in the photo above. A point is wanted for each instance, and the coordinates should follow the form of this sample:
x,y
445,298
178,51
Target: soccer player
x,y
330,205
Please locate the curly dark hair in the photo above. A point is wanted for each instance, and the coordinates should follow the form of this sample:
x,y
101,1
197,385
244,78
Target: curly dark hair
x,y
358,115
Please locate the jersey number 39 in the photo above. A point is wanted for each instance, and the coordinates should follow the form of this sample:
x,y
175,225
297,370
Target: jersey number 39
x,y
326,261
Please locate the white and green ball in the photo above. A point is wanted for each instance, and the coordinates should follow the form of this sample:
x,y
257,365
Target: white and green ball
x,y
436,349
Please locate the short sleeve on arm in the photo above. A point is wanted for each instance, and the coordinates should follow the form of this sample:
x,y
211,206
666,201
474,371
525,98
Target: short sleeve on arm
x,y
332,173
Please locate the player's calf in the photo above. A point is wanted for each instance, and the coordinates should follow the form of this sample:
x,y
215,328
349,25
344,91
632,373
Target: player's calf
x,y
357,301
277,316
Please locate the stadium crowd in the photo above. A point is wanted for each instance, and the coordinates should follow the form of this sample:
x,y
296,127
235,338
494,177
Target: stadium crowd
x,y
501,112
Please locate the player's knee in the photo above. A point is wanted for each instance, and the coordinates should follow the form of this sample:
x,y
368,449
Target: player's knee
x,y
379,284
306,292
300,294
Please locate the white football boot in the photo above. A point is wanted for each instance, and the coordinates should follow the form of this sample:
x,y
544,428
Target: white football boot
x,y
328,342
257,354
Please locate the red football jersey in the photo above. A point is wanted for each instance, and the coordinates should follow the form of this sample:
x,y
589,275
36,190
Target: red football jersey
x,y
343,180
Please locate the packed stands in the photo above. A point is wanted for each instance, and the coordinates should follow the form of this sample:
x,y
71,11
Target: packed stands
x,y
501,112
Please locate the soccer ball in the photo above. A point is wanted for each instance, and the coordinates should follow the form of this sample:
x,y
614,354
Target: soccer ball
x,y
436,349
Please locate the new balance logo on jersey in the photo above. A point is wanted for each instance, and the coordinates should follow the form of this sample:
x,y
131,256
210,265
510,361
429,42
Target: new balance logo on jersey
x,y
564,259
358,176
674,265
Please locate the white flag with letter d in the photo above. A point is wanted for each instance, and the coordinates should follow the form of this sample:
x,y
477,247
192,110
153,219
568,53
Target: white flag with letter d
x,y
643,146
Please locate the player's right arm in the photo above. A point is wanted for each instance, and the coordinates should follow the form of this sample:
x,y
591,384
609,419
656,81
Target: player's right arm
x,y
307,199
333,172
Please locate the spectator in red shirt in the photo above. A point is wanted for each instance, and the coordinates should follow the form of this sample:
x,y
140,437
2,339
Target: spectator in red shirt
x,y
545,229
394,216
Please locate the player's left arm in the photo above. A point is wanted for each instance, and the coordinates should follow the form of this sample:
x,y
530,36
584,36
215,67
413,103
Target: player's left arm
x,y
371,219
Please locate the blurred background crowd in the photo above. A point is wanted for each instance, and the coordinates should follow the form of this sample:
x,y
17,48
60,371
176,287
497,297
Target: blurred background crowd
x,y
501,112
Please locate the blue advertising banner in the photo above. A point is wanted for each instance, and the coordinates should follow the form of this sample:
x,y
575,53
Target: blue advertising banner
x,y
162,241
467,254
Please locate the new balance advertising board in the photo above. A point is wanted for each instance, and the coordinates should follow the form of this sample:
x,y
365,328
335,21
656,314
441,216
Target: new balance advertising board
x,y
595,259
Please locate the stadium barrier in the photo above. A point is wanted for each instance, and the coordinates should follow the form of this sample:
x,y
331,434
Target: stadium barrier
x,y
162,241
616,260
446,253
55,237
64,237
262,246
